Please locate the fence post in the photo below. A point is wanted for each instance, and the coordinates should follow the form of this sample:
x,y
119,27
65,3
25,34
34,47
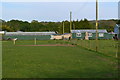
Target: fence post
x,y
35,41
90,44
14,42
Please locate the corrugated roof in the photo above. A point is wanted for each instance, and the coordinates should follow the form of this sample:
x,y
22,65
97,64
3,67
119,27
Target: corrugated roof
x,y
30,33
90,31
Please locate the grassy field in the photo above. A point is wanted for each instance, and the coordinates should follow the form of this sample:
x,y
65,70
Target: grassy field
x,y
0,59
106,47
55,61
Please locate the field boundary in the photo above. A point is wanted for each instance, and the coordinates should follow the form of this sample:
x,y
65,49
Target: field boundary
x,y
50,45
93,50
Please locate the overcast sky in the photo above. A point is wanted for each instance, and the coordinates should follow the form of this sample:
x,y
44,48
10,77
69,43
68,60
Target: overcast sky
x,y
59,0
57,11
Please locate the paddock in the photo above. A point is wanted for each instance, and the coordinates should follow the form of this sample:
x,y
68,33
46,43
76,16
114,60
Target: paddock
x,y
78,60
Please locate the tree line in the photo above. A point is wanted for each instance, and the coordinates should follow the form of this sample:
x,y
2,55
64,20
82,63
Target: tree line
x,y
36,26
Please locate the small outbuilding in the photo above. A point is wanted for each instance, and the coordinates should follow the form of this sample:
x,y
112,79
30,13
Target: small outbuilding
x,y
91,34
117,30
56,37
66,36
1,34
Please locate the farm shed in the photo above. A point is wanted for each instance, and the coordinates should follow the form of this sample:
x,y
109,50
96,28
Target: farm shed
x,y
61,36
80,34
1,33
56,36
29,35
67,35
117,30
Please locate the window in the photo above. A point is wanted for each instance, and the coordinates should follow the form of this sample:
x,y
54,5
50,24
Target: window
x,y
101,34
78,35
89,34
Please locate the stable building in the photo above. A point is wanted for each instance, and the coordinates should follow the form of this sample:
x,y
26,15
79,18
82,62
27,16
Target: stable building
x,y
1,34
28,35
117,30
91,34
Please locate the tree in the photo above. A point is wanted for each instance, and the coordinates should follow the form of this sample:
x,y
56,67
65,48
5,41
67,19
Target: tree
x,y
25,26
34,25
6,28
14,24
34,21
118,22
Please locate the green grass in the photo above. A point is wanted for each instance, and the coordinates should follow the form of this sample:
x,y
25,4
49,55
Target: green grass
x,y
54,62
106,47
0,59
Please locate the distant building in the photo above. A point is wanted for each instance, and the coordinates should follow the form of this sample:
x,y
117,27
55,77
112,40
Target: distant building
x,y
91,34
117,30
66,36
1,33
28,35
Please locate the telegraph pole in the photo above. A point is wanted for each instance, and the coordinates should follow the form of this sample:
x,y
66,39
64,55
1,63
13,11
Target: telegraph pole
x,y
74,26
70,21
63,27
96,25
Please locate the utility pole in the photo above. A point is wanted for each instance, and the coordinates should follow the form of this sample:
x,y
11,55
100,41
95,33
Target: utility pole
x,y
63,27
70,21
74,26
96,25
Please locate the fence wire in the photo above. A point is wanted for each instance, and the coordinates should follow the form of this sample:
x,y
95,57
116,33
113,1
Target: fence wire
x,y
107,47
